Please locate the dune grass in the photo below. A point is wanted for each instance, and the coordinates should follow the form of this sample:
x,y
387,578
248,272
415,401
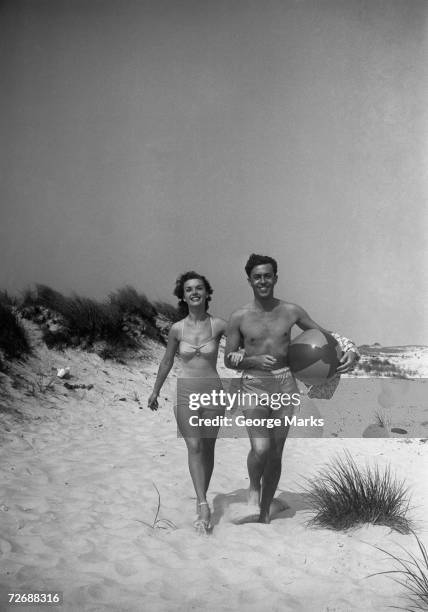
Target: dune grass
x,y
158,523
6,299
374,366
112,327
167,310
344,496
128,301
412,573
383,420
118,321
14,343
85,320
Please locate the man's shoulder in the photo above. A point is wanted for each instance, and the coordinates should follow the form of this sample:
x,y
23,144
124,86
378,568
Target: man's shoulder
x,y
241,312
249,309
288,306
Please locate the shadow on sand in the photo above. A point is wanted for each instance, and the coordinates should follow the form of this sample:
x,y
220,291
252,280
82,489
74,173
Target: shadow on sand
x,y
285,505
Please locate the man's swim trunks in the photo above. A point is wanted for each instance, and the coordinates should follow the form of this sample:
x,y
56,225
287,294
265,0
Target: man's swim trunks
x,y
260,388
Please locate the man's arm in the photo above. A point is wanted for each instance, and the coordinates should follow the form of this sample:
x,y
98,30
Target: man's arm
x,y
304,321
349,348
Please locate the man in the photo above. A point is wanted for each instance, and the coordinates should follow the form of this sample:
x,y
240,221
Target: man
x,y
258,336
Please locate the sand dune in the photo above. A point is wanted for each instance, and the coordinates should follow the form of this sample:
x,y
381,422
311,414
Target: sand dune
x,y
78,501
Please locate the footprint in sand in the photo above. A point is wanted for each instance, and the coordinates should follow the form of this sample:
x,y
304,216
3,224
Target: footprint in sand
x,y
125,568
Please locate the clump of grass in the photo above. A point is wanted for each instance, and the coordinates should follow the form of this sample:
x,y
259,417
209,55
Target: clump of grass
x,y
374,366
383,420
6,299
14,342
119,322
92,320
40,384
128,301
113,352
344,496
82,320
59,339
168,311
413,575
158,523
138,313
47,297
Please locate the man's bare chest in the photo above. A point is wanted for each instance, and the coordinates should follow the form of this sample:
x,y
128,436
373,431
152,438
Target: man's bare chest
x,y
266,326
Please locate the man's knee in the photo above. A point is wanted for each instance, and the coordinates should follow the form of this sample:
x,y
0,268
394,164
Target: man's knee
x,y
261,449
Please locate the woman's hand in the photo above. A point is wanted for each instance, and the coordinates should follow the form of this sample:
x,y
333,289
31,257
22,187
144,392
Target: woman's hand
x,y
152,402
236,357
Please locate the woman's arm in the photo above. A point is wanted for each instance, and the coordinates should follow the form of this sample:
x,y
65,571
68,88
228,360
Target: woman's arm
x,y
164,367
219,327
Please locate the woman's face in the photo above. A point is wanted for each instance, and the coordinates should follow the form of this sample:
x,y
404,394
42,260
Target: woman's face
x,y
194,292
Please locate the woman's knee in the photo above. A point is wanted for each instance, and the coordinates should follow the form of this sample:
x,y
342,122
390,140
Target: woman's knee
x,y
194,446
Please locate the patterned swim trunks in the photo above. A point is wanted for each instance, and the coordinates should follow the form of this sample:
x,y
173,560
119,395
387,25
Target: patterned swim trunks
x,y
273,390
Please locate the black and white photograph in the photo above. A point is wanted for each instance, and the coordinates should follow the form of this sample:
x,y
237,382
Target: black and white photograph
x,y
213,290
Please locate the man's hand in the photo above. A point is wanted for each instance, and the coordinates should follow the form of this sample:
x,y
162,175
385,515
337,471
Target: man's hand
x,y
347,362
264,362
152,402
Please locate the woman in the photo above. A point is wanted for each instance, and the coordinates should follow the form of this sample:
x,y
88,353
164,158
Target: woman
x,y
195,338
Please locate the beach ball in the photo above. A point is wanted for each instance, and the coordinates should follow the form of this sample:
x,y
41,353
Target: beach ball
x,y
313,356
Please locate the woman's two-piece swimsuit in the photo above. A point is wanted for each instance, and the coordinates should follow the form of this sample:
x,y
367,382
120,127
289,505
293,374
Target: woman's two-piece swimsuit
x,y
197,384
187,351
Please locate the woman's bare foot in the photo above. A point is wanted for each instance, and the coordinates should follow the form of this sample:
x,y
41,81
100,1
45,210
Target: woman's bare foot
x,y
203,522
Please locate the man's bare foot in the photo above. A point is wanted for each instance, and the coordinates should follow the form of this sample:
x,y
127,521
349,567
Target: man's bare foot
x,y
275,508
264,518
254,497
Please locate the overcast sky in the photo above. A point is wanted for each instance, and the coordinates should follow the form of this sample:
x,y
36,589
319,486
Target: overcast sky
x,y
144,138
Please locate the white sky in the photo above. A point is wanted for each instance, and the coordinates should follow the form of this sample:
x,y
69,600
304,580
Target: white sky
x,y
144,138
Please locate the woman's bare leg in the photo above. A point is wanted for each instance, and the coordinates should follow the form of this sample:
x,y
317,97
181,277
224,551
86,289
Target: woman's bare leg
x,y
200,452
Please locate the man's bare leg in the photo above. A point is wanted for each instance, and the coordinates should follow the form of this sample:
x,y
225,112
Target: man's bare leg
x,y
264,463
271,477
270,483
256,464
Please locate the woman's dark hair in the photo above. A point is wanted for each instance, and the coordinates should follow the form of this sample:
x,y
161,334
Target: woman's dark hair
x,y
183,309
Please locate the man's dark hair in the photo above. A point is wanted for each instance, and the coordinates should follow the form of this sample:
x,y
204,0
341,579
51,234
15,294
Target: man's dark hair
x,y
183,309
260,260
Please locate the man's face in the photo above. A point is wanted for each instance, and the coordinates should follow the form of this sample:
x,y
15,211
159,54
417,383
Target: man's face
x,y
262,280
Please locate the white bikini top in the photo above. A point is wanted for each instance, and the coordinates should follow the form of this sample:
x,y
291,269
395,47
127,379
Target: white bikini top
x,y
208,348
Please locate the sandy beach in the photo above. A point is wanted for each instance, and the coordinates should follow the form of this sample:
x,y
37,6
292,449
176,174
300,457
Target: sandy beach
x,y
79,469
274,155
